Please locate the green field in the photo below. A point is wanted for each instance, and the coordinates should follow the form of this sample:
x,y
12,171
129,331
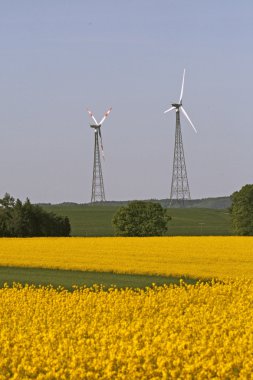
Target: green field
x,y
68,278
95,220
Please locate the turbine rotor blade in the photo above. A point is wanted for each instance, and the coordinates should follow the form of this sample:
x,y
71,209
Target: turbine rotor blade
x,y
92,116
101,143
170,109
187,117
182,89
105,116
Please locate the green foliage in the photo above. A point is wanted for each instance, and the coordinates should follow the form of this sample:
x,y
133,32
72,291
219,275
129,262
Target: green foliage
x,y
242,211
19,219
140,218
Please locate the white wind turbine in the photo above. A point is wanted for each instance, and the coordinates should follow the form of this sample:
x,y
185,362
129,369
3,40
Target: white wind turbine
x,y
179,185
98,192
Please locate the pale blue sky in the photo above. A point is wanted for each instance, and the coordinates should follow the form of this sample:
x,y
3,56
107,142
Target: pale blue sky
x,y
57,57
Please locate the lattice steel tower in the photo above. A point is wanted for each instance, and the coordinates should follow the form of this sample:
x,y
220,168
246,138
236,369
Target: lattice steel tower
x,y
180,190
98,191
179,184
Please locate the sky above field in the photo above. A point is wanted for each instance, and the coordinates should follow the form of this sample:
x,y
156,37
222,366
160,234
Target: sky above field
x,y
59,57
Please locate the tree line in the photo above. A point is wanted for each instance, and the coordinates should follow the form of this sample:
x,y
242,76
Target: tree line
x,y
19,219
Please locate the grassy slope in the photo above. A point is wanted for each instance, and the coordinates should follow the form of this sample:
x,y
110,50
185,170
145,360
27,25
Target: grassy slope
x,y
87,220
197,221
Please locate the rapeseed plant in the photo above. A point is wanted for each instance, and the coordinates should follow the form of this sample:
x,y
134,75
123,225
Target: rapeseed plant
x,y
198,331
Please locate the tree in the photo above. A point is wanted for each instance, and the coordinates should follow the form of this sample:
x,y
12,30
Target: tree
x,y
7,204
19,219
141,218
242,211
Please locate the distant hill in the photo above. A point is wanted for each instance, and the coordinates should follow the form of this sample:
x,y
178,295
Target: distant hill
x,y
213,203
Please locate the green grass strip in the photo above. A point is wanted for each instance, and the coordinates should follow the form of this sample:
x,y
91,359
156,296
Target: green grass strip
x,y
68,278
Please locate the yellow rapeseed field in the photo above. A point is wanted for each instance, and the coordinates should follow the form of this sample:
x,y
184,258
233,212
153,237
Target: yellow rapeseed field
x,y
202,331
200,257
186,332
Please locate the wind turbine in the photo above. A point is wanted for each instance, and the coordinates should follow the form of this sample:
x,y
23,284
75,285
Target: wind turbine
x,y
98,191
180,190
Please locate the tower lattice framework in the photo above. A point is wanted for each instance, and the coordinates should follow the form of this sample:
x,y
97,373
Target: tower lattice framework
x,y
98,191
180,190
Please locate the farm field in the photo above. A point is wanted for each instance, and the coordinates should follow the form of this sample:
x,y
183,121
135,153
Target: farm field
x,y
177,331
193,257
95,220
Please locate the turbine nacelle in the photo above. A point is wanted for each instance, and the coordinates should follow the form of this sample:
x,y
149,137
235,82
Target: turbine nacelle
x,y
176,105
96,127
